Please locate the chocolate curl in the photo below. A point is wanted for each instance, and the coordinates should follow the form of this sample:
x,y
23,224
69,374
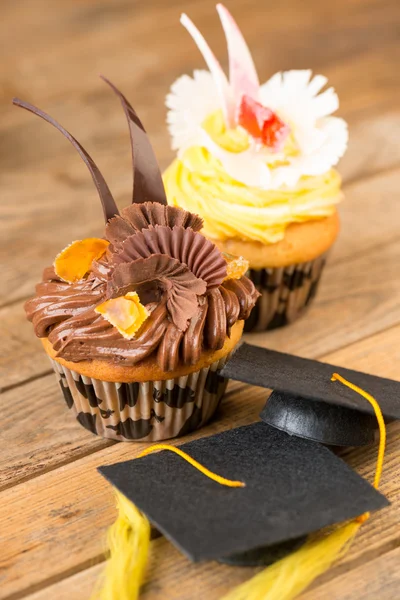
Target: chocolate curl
x,y
243,76
148,185
109,207
220,79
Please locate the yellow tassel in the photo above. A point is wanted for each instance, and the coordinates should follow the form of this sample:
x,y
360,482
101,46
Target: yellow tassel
x,y
287,578
129,538
128,541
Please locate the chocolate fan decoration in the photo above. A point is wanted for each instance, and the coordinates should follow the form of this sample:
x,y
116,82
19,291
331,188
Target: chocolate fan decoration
x,y
136,217
180,285
109,206
189,247
147,181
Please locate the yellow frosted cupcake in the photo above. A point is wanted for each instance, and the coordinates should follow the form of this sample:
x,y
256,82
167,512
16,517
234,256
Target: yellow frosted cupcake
x,y
256,162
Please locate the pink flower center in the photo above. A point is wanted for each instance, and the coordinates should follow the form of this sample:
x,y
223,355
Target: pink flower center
x,y
262,123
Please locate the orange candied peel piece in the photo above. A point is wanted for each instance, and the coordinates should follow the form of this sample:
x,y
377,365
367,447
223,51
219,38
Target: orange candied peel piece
x,y
236,266
126,313
75,260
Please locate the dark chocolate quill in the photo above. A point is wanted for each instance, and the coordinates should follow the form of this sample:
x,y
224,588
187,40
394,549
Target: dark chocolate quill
x,y
109,206
147,181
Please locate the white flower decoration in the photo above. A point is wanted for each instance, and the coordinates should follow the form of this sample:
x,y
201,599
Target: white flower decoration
x,y
297,136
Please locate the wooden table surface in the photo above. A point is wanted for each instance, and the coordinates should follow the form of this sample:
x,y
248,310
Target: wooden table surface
x,y
54,507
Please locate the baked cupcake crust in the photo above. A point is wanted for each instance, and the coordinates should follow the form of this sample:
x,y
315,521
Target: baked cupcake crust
x,y
147,369
303,242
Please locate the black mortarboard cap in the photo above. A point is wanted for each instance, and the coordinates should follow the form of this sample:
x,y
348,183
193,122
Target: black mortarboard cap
x,y
336,415
311,379
293,487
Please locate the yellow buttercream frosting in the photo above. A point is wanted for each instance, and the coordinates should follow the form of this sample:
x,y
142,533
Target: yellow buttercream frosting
x,y
232,140
199,183
237,140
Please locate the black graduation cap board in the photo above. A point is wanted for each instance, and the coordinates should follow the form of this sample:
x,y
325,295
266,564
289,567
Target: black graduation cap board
x,y
293,487
306,403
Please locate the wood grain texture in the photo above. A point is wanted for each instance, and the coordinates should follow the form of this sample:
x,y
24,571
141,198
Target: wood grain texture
x,y
358,298
377,578
21,353
357,293
78,586
365,214
357,584
63,530
39,433
37,232
54,507
65,527
79,100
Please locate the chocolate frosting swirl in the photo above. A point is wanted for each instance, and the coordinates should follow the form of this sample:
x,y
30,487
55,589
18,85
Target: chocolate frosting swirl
x,y
189,247
157,276
179,276
155,250
136,217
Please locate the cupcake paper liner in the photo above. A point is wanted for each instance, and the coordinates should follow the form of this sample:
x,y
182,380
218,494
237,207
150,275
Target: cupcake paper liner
x,y
150,411
285,293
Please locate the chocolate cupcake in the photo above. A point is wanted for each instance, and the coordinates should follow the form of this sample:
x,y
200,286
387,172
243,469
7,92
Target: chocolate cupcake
x,y
138,324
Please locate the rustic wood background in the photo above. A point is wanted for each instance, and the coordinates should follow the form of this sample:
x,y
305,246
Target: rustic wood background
x,y
54,507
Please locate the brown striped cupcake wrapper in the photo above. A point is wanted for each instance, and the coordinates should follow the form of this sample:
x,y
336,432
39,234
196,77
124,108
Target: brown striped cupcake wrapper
x,y
285,293
150,411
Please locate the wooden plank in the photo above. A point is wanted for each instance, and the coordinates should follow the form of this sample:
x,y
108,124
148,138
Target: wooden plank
x,y
46,436
355,44
36,227
357,584
355,296
39,432
373,125
172,577
371,145
365,85
21,353
348,32
75,587
358,297
54,172
379,578
59,518
365,303
65,500
368,216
